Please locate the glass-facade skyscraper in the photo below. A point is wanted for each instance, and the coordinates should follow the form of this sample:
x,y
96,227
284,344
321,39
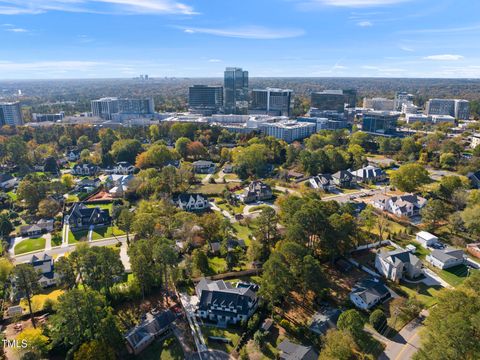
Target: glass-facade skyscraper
x,y
236,91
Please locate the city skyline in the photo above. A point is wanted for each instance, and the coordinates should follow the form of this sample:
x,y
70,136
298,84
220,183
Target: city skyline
x,y
273,38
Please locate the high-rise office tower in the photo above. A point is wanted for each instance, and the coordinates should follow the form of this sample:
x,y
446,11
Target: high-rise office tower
x,y
401,98
11,114
457,108
206,100
236,91
275,102
379,104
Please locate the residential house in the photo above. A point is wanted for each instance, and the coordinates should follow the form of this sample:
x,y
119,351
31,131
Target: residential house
x,y
257,191
474,249
42,226
380,201
426,239
204,167
124,168
224,304
85,170
408,205
73,155
322,182
295,175
7,181
119,184
446,258
369,174
87,185
396,264
151,328
44,266
324,320
291,351
192,202
474,179
369,292
343,179
83,217
232,244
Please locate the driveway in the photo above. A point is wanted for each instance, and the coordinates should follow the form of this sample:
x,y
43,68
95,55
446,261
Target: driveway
x,y
406,343
432,279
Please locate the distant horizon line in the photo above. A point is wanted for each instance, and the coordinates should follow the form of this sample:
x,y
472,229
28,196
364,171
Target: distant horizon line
x,y
250,77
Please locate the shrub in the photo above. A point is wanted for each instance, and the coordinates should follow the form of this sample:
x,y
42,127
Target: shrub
x,y
377,319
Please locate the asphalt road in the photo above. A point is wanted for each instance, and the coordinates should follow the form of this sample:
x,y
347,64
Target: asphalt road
x,y
61,250
406,343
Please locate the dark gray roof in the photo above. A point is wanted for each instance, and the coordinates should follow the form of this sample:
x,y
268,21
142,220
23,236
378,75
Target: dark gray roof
x,y
447,254
343,175
371,289
221,293
292,351
400,255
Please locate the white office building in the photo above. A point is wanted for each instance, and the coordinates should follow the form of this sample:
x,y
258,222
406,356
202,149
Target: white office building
x,y
401,98
460,109
288,130
106,108
10,114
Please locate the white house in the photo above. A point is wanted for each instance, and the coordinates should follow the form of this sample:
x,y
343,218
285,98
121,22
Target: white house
x,y
394,265
426,239
124,168
404,205
322,182
192,202
204,167
369,292
446,258
369,174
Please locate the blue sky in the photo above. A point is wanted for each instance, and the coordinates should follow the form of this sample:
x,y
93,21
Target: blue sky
x,y
195,38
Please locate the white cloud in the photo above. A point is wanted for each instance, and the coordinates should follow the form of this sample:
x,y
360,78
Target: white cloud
x,y
214,60
444,57
16,7
365,23
9,66
17,30
248,32
406,48
357,3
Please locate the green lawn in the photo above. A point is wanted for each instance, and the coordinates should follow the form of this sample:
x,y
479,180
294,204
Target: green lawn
x,y
74,237
209,189
168,349
28,245
106,232
230,333
427,295
455,275
102,206
242,232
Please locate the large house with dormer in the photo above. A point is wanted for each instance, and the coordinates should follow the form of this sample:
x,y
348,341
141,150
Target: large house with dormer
x,y
369,174
85,170
257,191
83,217
397,264
408,205
192,202
224,304
322,182
124,168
